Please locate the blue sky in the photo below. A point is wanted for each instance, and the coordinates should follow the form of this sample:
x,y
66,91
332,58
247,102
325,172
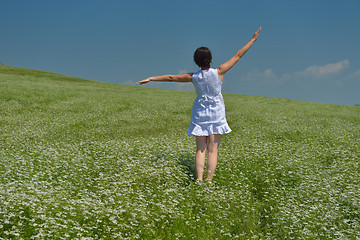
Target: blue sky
x,y
307,50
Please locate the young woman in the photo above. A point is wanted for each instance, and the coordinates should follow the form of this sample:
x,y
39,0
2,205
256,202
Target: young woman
x,y
208,120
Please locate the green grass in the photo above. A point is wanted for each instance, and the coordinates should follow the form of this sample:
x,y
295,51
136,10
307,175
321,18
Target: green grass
x,y
82,159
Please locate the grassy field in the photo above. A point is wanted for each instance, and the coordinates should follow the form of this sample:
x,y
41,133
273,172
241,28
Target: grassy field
x,y
82,159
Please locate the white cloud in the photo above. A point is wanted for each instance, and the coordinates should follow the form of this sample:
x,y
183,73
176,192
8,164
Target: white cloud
x,y
322,71
356,74
257,75
183,71
270,77
269,73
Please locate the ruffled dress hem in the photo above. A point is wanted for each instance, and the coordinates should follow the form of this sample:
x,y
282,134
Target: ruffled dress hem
x,y
197,130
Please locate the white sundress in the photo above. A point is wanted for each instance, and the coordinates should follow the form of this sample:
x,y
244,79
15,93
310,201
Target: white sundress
x,y
208,112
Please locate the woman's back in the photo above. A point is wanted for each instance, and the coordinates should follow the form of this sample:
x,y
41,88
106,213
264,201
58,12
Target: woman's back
x,y
207,82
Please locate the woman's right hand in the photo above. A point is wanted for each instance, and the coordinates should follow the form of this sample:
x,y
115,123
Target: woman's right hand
x,y
256,35
143,81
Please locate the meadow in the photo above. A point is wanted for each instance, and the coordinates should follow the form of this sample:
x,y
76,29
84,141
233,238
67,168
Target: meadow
x,y
82,159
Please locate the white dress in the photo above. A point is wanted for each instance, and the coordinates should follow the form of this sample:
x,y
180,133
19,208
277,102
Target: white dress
x,y
208,112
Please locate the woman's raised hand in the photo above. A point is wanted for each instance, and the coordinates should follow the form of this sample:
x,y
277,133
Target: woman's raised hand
x,y
256,34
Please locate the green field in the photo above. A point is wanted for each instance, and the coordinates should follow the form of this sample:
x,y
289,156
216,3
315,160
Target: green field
x,y
82,159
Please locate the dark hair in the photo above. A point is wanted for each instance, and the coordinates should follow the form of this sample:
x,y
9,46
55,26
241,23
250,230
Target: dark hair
x,y
203,57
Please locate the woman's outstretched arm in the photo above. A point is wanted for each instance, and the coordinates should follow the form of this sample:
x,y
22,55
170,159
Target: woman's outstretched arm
x,y
222,69
168,78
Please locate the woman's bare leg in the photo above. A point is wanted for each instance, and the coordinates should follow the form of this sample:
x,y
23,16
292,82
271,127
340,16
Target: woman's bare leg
x,y
213,146
201,147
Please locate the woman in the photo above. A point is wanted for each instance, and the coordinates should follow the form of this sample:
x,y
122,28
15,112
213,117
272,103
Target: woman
x,y
208,120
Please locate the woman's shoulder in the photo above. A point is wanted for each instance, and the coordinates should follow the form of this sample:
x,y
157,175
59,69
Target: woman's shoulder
x,y
215,71
211,71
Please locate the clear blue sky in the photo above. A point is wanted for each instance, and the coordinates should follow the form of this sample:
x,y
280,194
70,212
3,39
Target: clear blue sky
x,y
308,50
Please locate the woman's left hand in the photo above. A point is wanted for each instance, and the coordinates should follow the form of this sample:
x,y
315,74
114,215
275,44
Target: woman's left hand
x,y
256,35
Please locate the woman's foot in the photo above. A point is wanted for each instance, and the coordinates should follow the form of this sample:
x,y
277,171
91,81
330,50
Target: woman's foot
x,y
209,182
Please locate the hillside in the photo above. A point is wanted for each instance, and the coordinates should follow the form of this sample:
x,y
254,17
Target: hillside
x,y
81,158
